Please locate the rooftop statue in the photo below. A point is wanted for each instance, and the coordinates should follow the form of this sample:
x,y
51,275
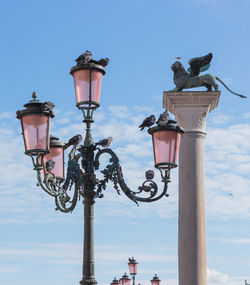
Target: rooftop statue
x,y
185,79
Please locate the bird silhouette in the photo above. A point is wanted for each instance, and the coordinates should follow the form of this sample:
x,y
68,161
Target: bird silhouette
x,y
75,140
163,119
148,122
105,142
47,106
84,58
50,165
104,61
149,174
178,57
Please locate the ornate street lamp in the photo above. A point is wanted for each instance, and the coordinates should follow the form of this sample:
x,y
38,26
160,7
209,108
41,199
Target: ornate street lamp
x,y
155,280
47,154
132,268
115,282
125,280
35,122
133,271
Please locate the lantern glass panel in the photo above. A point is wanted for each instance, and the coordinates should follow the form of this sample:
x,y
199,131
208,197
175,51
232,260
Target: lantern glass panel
x,y
132,268
35,132
164,146
82,85
125,281
56,154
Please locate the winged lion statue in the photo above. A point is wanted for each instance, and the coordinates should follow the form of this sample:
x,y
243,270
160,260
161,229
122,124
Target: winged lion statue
x,y
185,79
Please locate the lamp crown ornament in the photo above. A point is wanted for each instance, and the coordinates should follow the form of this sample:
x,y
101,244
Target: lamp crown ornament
x,y
47,154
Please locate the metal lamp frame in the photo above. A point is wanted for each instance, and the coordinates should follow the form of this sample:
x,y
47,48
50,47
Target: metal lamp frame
x,y
81,179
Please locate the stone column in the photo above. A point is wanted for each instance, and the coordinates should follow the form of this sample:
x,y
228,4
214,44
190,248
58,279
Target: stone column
x,y
190,110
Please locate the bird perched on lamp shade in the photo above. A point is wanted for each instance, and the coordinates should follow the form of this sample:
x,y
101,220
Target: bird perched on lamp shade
x,y
84,58
148,122
47,106
104,61
163,119
105,142
75,140
50,165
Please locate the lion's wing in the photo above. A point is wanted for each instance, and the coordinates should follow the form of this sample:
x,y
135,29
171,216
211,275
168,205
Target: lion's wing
x,y
199,64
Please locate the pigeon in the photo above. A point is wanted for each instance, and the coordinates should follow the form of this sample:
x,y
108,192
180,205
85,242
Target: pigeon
x,y
84,58
105,142
149,174
50,165
178,57
47,106
75,140
163,119
148,122
104,61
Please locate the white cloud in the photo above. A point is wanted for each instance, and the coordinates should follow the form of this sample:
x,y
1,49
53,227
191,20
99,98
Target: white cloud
x,y
227,167
233,240
215,277
227,161
6,115
9,269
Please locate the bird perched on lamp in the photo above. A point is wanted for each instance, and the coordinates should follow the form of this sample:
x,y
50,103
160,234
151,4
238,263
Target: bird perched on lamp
x,y
163,119
103,61
47,106
50,165
84,58
75,140
148,122
105,142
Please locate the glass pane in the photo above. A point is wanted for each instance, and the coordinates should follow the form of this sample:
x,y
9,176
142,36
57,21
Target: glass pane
x,y
81,79
55,154
132,268
35,131
155,282
177,147
164,142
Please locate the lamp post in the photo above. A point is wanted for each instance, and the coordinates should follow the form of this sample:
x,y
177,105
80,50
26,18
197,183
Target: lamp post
x,y
47,155
125,280
132,268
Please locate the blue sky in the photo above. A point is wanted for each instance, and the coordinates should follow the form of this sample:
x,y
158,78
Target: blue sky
x,y
39,42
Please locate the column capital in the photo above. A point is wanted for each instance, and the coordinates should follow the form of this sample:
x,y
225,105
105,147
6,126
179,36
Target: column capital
x,y
191,107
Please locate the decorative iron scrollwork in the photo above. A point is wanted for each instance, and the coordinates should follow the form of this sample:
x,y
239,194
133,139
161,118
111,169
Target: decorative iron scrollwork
x,y
87,185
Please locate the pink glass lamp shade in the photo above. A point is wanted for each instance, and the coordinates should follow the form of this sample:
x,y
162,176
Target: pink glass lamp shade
x,y
125,280
166,142
88,80
35,122
132,266
56,154
115,282
155,280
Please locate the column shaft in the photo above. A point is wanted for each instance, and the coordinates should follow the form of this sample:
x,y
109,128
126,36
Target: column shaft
x,y
190,109
192,216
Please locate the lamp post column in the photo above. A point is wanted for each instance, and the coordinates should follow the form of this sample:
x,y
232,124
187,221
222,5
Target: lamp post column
x,y
88,244
190,110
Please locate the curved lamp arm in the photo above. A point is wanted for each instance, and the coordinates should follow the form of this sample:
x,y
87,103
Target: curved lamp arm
x,y
113,172
63,201
52,186
66,204
49,184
